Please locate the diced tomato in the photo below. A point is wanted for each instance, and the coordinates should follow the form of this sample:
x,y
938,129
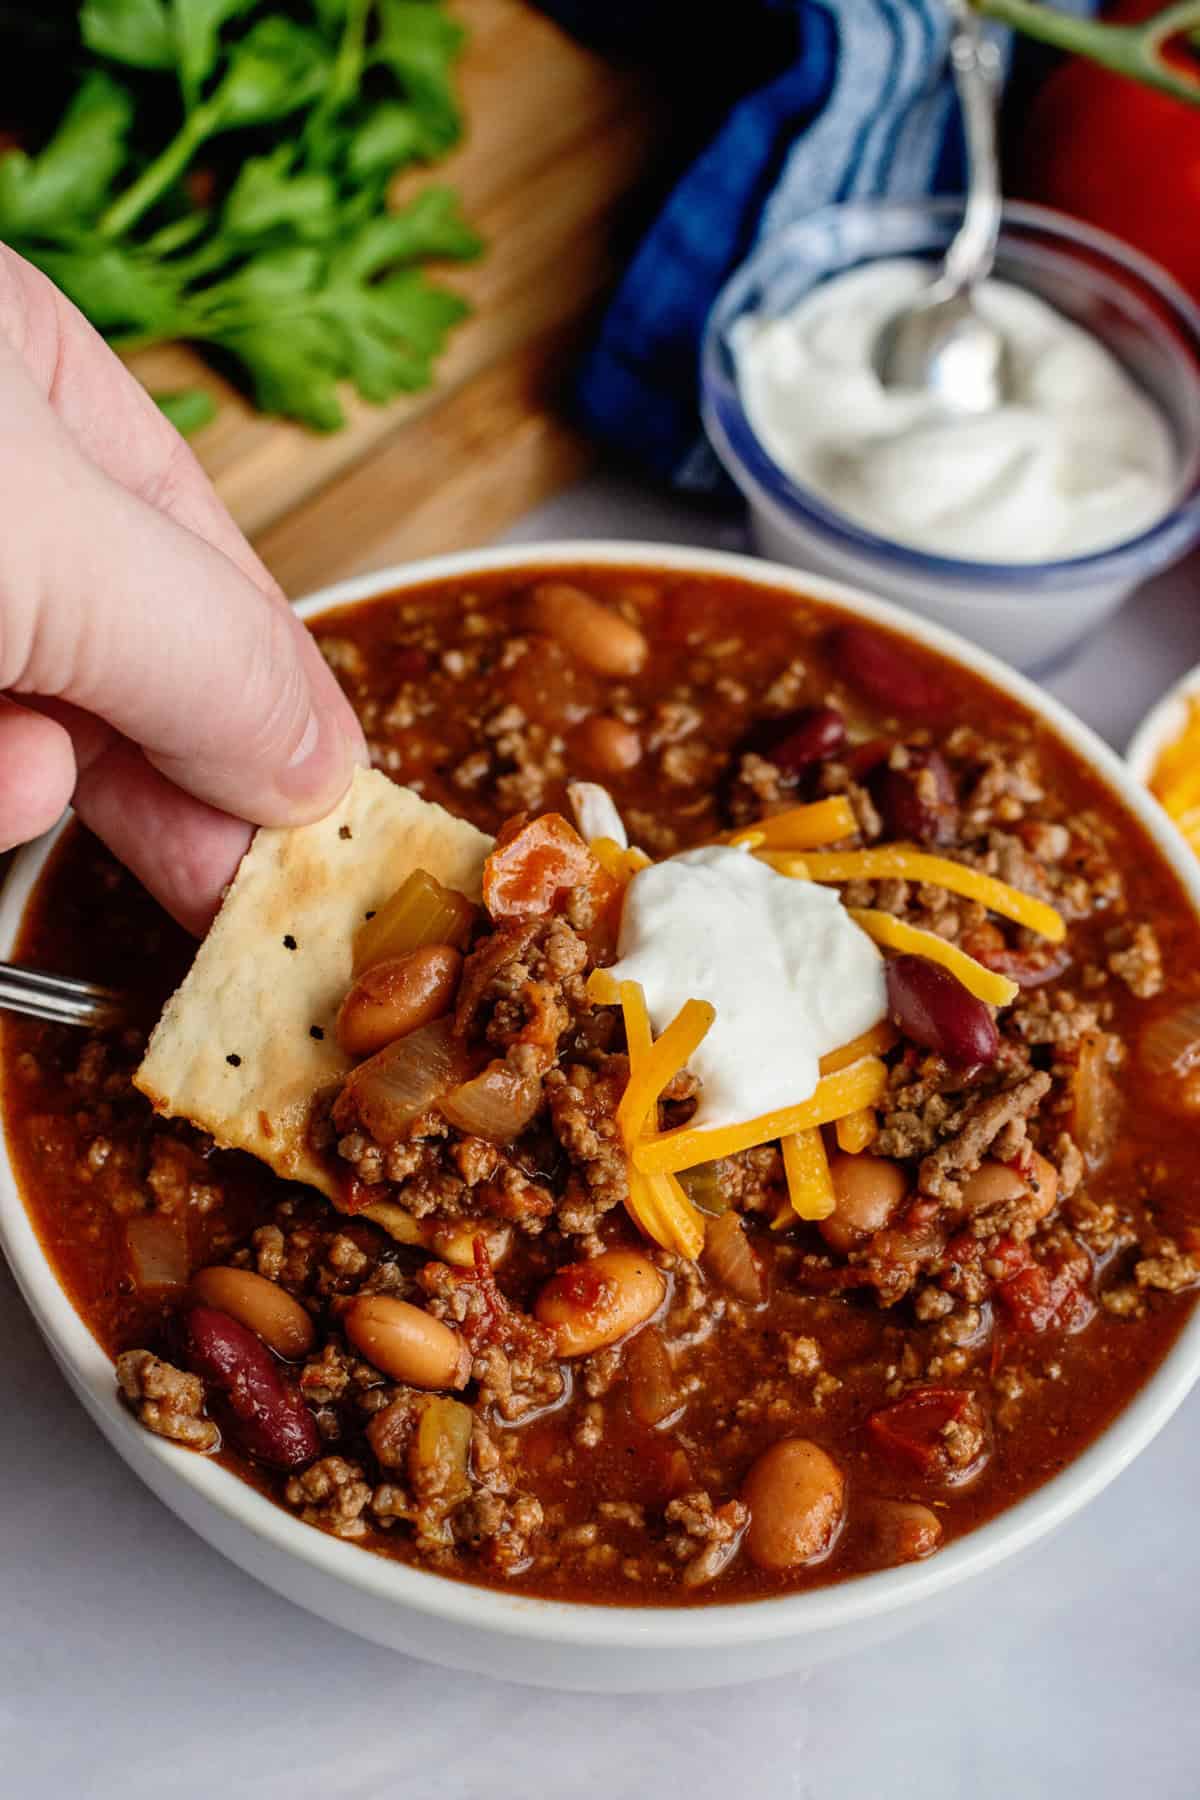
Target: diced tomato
x,y
355,1195
913,1428
1044,1299
536,863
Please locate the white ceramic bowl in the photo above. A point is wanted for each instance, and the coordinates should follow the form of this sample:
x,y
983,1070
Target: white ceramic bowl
x,y
1162,725
550,1643
1030,613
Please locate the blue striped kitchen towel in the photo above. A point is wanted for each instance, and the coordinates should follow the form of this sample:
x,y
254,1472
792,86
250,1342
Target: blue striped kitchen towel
x,y
861,105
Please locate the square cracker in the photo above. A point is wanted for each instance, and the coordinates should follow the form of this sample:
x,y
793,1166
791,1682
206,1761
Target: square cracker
x,y
247,1041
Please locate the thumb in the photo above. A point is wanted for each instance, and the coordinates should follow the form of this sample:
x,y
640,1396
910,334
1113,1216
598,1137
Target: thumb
x,y
111,605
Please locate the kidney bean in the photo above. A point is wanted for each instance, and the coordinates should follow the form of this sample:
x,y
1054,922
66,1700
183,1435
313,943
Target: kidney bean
x,y
799,739
934,1009
244,1382
879,667
917,801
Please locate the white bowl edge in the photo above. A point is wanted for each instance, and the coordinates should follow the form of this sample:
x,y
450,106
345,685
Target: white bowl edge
x,y
852,1608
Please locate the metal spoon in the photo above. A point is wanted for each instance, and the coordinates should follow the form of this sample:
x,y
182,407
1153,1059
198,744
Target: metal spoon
x,y
941,344
58,998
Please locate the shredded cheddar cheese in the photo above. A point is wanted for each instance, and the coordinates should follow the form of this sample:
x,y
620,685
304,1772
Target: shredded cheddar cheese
x,y
856,1130
810,1185
1175,782
638,1033
894,934
862,1084
657,1202
799,828
875,1042
659,1063
906,863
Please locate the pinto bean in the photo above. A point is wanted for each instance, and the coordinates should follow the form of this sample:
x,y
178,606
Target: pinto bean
x,y
590,1304
996,1184
407,1343
246,1386
902,1531
607,746
933,1008
599,637
269,1310
797,1495
397,996
868,1189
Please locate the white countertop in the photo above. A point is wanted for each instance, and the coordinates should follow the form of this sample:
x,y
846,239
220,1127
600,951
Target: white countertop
x,y
135,1662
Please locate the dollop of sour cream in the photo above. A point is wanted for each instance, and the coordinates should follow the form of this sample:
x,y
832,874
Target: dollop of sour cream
x,y
789,972
1077,460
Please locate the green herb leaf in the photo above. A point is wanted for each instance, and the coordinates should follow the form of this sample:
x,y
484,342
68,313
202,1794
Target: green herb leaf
x,y
120,290
65,184
196,27
187,408
269,196
430,227
277,68
419,42
136,32
391,135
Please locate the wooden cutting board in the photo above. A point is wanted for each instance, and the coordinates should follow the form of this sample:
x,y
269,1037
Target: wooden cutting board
x,y
556,141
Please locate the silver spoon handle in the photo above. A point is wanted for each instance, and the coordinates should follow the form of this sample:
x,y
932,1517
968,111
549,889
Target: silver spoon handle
x,y
976,70
58,998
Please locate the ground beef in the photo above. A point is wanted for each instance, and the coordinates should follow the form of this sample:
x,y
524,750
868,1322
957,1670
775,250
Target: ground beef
x,y
975,1128
705,1537
1137,960
331,1493
167,1401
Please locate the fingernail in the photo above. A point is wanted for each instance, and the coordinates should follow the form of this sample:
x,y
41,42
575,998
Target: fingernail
x,y
319,767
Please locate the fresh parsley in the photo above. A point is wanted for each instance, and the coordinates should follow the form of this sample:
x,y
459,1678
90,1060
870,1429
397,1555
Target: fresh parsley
x,y
256,224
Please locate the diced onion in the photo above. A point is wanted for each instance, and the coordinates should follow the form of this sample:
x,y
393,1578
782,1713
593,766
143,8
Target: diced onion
x,y
496,1104
393,1087
652,1392
730,1260
440,1448
158,1251
1170,1043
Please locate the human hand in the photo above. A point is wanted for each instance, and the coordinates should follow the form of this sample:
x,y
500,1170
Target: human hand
x,y
151,672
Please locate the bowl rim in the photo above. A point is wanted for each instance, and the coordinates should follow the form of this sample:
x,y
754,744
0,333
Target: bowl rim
x,y
1161,725
499,1613
765,482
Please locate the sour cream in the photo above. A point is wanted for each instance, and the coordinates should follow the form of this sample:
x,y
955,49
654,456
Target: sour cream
x,y
595,813
1078,459
789,972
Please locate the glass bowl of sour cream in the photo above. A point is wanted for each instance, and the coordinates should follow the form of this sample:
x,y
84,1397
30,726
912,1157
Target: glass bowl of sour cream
x,y
1023,528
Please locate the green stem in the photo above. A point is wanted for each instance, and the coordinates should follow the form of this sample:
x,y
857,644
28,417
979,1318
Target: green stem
x,y
1133,50
158,176
345,75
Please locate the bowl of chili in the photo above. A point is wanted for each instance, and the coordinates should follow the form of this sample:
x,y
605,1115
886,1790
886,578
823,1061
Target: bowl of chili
x,y
920,1366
